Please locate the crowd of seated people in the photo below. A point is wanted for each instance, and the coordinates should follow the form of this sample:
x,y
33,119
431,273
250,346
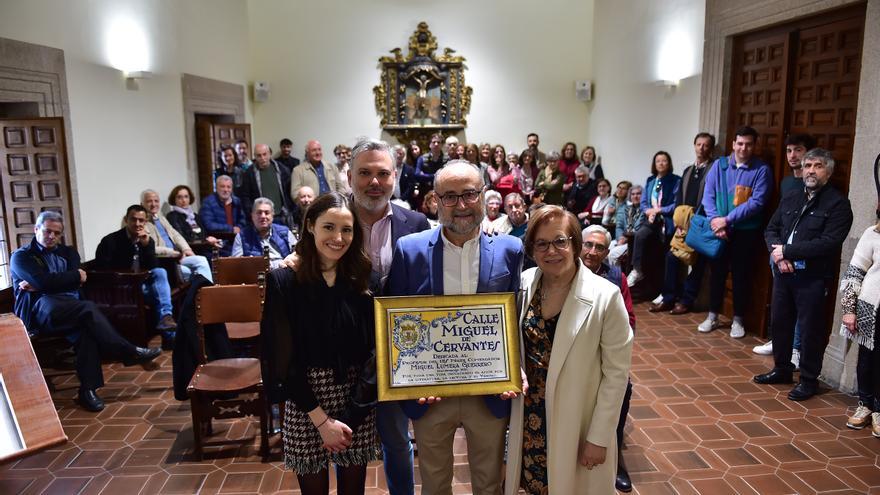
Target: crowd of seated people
x,y
263,204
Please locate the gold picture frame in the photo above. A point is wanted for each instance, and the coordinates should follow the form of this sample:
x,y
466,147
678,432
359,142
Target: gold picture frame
x,y
447,346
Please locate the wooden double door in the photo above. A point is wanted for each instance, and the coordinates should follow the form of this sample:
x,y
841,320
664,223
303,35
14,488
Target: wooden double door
x,y
35,178
798,78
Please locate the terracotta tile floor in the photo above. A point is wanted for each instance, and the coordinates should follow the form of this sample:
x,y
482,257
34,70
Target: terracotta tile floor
x,y
698,425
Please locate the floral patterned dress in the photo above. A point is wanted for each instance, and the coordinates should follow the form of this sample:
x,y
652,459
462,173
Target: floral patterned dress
x,y
537,341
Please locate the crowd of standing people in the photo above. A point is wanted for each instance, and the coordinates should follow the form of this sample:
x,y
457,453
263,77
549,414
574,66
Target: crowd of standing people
x,y
466,219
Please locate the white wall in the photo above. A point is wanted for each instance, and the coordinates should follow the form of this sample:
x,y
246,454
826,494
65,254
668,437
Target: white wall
x,y
321,59
125,141
631,116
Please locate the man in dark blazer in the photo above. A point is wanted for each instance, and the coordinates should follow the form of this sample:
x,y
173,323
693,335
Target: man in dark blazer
x,y
458,258
46,278
804,238
372,177
131,248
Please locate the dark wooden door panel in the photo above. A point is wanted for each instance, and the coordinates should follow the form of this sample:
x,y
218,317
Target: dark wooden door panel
x,y
801,77
34,177
210,137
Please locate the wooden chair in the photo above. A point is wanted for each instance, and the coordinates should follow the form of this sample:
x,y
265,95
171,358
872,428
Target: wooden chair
x,y
214,381
240,270
243,270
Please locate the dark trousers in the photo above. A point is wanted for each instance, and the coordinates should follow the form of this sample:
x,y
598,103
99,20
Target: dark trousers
x,y
95,336
865,376
624,411
799,298
734,258
868,372
642,238
684,293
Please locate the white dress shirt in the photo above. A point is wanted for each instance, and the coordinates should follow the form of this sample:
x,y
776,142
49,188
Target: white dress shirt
x,y
461,266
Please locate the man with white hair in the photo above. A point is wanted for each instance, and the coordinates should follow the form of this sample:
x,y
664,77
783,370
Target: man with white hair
x,y
264,233
593,253
452,148
313,172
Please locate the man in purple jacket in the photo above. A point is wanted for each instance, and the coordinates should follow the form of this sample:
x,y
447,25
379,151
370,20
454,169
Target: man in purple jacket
x,y
736,215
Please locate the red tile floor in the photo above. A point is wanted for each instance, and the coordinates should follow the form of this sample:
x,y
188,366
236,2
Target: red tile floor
x,y
698,425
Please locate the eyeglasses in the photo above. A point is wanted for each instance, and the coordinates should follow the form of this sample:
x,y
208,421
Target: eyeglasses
x,y
560,243
589,246
469,197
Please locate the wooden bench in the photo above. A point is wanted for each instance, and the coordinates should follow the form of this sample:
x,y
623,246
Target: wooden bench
x,y
120,296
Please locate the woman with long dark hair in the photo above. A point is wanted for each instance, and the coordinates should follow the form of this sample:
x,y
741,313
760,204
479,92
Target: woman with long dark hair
x,y
321,350
658,205
229,164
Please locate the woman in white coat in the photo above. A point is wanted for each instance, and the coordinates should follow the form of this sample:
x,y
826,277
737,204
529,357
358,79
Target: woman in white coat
x,y
576,349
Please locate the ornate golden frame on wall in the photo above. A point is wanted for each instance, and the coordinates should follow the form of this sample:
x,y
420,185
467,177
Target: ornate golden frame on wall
x,y
422,93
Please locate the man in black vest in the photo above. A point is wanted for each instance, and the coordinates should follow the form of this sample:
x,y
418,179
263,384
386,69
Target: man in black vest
x,y
693,181
804,238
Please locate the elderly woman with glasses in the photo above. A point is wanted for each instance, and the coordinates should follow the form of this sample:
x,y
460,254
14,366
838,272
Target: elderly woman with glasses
x,y
562,429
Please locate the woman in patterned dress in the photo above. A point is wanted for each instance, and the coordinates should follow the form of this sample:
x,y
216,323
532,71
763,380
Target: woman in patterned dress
x,y
576,348
318,323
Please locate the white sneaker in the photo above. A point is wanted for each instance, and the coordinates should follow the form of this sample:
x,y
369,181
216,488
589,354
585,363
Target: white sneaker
x,y
860,419
634,277
737,331
708,325
796,359
764,349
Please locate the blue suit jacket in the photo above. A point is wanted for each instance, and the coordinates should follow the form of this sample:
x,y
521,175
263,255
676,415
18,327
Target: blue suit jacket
x,y
417,270
28,263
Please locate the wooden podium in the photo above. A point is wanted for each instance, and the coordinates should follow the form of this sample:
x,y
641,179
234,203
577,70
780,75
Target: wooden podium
x,y
27,391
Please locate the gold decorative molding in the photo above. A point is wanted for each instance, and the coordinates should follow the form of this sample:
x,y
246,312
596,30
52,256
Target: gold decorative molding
x,y
422,92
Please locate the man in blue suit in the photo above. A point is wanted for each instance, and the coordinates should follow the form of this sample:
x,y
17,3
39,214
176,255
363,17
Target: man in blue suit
x,y
457,258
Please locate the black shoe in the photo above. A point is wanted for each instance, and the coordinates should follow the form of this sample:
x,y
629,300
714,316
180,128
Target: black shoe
x,y
168,341
803,391
89,400
773,377
622,482
142,355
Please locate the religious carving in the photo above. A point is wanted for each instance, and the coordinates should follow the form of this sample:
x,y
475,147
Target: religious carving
x,y
422,93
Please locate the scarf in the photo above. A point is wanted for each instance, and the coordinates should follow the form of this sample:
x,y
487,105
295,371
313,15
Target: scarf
x,y
190,215
860,288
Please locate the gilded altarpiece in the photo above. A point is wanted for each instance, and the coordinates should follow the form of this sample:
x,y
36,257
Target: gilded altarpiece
x,y
422,93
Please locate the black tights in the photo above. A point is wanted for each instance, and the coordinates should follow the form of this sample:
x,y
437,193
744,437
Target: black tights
x,y
349,481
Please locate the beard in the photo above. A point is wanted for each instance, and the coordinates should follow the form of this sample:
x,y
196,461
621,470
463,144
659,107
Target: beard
x,y
369,203
461,227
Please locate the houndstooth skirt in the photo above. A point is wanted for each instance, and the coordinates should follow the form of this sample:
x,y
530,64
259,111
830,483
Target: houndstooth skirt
x,y
303,450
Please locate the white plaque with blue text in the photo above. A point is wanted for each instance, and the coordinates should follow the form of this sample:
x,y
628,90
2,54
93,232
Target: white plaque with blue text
x,y
447,345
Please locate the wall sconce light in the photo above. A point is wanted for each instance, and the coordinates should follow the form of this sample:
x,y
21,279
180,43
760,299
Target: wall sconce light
x,y
132,78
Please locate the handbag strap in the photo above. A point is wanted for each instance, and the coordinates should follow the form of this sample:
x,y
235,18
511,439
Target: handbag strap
x,y
723,166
